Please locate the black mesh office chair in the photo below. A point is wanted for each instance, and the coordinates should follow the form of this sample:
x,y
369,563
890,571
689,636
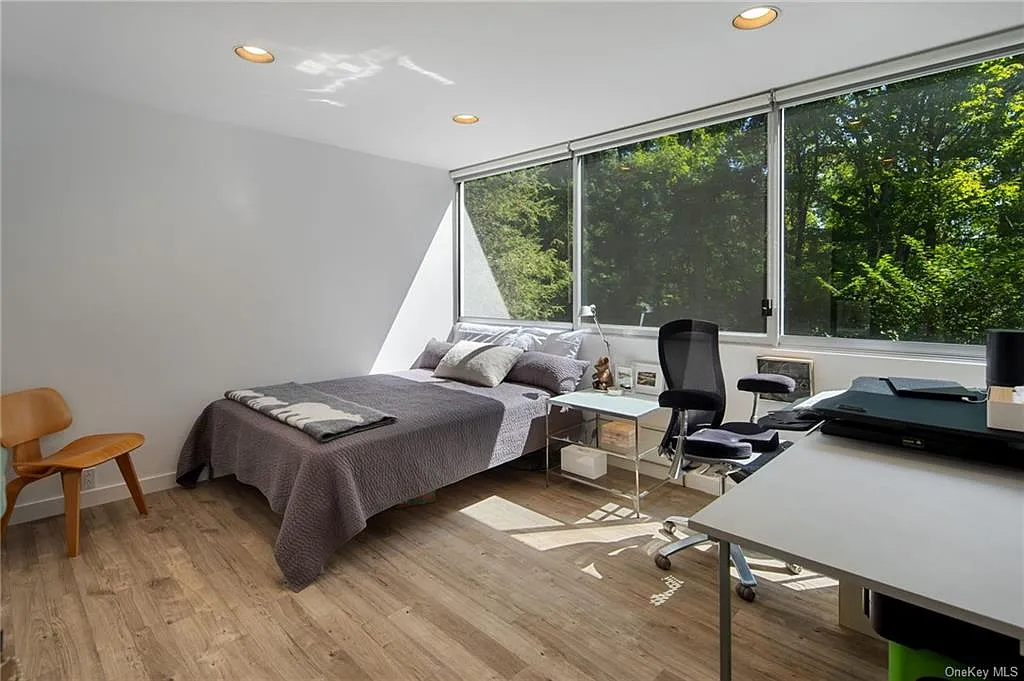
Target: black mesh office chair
x,y
692,366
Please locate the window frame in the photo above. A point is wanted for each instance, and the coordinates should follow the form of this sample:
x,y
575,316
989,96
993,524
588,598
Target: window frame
x,y
531,159
773,103
716,115
920,65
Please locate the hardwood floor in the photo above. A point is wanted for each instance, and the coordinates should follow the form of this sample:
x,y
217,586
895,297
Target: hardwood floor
x,y
427,592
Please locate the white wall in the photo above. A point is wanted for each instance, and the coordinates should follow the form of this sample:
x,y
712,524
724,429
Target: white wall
x,y
832,370
151,260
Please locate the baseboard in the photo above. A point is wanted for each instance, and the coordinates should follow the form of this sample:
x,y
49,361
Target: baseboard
x,y
45,508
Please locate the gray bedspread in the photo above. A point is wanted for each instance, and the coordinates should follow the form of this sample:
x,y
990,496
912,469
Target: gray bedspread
x,y
443,432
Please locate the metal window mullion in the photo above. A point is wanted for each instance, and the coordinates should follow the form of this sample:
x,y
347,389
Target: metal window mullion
x,y
577,239
775,267
872,346
700,118
505,164
457,267
918,65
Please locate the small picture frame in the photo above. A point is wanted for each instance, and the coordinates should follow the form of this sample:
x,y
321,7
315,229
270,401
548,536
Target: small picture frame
x,y
799,369
647,379
624,376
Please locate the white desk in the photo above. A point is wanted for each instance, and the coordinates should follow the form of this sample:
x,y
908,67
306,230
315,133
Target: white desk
x,y
944,535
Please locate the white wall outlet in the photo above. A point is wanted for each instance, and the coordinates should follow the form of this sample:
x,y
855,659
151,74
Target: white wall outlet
x,y
89,478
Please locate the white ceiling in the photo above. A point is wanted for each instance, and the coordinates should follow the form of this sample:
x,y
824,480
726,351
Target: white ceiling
x,y
385,78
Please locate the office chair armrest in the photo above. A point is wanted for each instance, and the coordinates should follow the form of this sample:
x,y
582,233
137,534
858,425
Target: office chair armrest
x,y
701,400
766,383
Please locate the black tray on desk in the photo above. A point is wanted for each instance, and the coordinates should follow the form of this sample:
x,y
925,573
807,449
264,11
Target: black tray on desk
x,y
872,411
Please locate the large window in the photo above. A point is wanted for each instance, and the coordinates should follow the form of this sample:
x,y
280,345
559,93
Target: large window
x,y
677,227
516,244
904,211
889,213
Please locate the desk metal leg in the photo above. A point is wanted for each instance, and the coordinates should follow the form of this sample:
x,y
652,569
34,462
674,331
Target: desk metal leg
x,y
724,613
636,468
547,446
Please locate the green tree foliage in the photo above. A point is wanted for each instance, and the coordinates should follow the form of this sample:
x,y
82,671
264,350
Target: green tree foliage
x,y
904,208
904,218
677,225
522,221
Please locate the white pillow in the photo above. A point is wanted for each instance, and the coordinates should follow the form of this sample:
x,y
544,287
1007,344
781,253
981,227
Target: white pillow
x,y
483,333
563,344
478,363
530,338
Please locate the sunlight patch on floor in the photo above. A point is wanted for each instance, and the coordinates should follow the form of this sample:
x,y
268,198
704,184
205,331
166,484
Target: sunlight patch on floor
x,y
673,584
610,511
595,533
610,524
506,516
624,548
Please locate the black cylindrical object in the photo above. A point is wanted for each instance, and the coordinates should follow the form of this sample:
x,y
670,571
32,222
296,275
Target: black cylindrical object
x,y
1004,357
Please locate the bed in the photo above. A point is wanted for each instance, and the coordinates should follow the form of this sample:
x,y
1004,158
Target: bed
x,y
444,431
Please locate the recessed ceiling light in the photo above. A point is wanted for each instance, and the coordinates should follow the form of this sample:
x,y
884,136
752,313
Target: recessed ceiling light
x,y
255,54
755,17
465,119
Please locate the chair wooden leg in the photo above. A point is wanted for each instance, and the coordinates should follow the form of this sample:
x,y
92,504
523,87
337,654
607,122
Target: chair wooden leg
x,y
124,462
14,488
72,481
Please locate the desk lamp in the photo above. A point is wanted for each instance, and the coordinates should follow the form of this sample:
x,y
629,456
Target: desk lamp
x,y
590,312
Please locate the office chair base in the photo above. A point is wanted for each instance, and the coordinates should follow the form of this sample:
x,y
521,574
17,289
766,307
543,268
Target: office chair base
x,y
746,592
745,588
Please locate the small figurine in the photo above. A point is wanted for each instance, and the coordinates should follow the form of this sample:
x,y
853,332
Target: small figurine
x,y
603,376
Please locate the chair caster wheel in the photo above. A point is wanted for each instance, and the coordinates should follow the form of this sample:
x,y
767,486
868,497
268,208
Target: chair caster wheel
x,y
746,592
662,561
793,568
669,527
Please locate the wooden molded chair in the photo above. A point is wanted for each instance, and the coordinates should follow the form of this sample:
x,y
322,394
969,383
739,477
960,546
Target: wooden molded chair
x,y
27,416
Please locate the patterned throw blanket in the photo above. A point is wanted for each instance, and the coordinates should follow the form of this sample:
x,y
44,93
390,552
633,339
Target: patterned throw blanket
x,y
321,416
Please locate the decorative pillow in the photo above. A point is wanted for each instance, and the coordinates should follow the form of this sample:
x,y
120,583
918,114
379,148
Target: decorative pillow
x,y
432,354
563,344
477,363
550,372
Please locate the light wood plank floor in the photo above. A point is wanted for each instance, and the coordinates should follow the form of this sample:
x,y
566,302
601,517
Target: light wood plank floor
x,y
429,592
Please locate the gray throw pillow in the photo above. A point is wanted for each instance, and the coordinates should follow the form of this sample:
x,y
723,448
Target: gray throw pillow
x,y
432,354
550,372
477,363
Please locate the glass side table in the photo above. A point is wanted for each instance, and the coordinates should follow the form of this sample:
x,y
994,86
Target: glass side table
x,y
599,409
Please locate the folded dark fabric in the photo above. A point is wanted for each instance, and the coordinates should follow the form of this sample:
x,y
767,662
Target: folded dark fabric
x,y
766,383
712,443
321,416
